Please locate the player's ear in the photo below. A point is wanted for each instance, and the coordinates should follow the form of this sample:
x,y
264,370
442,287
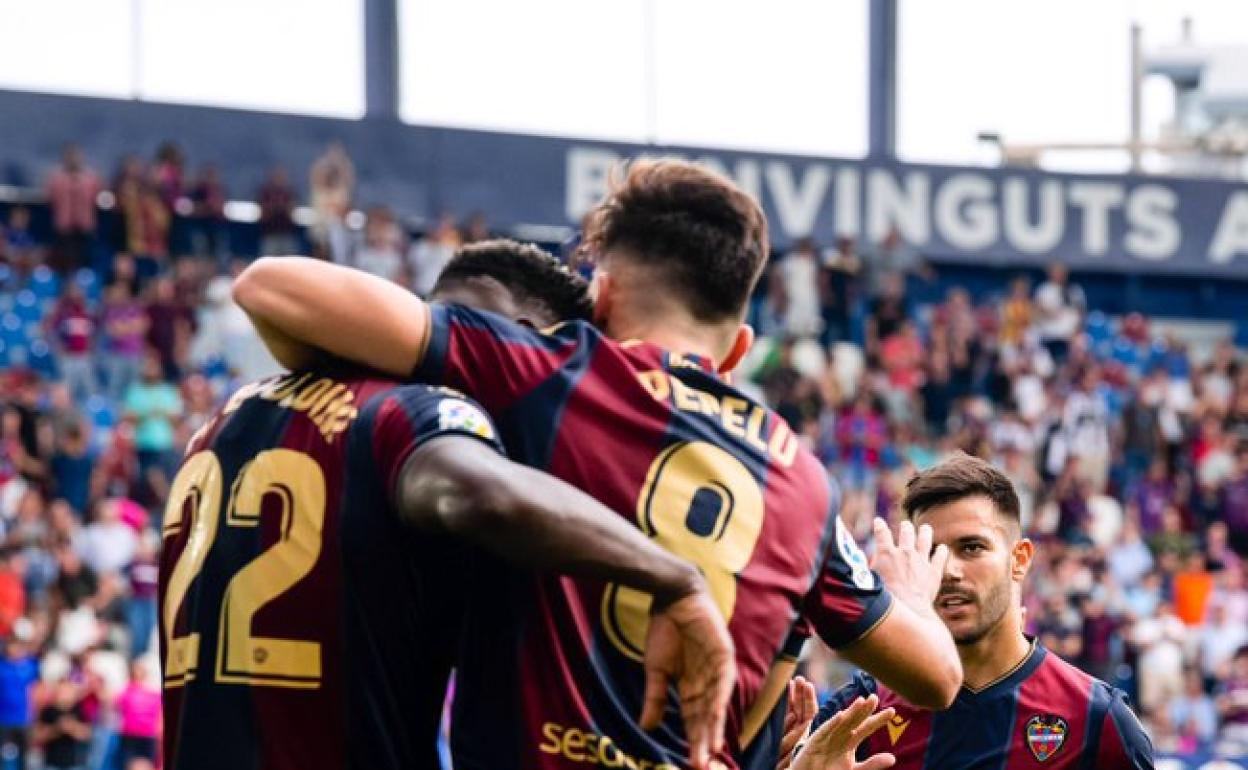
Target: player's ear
x,y
741,344
601,290
1020,562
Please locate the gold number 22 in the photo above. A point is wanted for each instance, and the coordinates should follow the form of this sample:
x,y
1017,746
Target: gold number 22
x,y
702,504
242,657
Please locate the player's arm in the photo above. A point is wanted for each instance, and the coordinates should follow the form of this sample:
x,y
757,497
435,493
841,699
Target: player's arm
x,y
301,306
911,650
460,485
898,637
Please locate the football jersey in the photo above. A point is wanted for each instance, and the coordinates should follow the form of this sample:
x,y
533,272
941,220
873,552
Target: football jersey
x,y
303,625
551,674
1044,714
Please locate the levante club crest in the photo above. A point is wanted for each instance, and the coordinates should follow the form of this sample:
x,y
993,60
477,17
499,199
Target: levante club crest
x,y
1045,735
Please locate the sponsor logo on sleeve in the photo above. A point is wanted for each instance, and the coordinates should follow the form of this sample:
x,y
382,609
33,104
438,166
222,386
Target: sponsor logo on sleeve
x,y
854,557
455,414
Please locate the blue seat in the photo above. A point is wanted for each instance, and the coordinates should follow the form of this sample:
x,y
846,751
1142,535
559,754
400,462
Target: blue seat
x,y
12,330
27,306
89,282
41,359
44,283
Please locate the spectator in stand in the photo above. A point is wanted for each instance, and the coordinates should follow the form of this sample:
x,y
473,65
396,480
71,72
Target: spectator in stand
x,y
1192,586
477,228
141,610
1193,714
838,289
893,256
108,544
147,221
12,590
861,434
154,404
138,707
278,233
887,313
1232,702
19,670
167,175
428,256
799,271
72,467
381,253
332,182
125,325
1159,640
1059,307
1219,638
210,234
1234,504
72,330
63,729
170,326
1016,313
20,247
72,190
76,581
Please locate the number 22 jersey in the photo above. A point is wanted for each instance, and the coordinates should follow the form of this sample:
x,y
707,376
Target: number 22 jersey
x,y
551,674
303,625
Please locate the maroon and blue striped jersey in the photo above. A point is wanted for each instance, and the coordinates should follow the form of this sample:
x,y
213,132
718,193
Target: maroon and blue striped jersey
x,y
303,625
1044,714
551,674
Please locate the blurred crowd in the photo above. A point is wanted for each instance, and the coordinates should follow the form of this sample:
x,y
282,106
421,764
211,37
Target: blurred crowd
x,y
1128,449
118,337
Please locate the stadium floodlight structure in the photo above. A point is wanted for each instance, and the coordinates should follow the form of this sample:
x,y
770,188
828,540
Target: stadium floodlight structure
x,y
1208,136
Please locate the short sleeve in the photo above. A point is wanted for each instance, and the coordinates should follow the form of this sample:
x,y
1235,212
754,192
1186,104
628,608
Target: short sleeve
x,y
848,599
492,359
411,415
1124,745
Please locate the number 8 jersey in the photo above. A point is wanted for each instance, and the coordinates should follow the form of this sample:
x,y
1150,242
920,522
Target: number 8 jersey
x,y
551,674
303,626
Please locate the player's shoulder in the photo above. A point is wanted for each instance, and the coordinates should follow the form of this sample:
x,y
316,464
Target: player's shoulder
x,y
508,330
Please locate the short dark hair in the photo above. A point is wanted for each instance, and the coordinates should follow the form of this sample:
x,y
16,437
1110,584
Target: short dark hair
x,y
957,478
532,275
703,231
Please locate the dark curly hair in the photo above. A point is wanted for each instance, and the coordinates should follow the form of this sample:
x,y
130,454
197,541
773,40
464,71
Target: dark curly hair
x,y
533,276
704,232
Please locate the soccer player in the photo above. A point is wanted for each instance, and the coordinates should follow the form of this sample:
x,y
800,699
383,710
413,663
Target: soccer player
x,y
312,582
637,411
1021,706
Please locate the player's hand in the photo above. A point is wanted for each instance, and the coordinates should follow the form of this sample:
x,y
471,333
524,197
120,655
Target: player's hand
x,y
803,705
833,745
688,643
911,570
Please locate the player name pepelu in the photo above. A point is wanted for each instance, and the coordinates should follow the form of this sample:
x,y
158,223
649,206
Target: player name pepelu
x,y
738,416
328,404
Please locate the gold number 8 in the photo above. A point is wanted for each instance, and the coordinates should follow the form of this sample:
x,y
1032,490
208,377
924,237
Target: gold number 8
x,y
704,505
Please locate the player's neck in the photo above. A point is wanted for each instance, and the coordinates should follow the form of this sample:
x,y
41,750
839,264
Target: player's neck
x,y
994,656
668,333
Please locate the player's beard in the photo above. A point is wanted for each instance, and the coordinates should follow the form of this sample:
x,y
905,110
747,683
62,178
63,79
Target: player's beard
x,y
992,604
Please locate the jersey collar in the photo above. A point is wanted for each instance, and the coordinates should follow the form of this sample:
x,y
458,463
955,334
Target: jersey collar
x,y
1030,662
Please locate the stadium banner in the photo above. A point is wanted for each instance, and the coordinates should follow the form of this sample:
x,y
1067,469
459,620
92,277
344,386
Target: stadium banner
x,y
1202,760
990,216
976,215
